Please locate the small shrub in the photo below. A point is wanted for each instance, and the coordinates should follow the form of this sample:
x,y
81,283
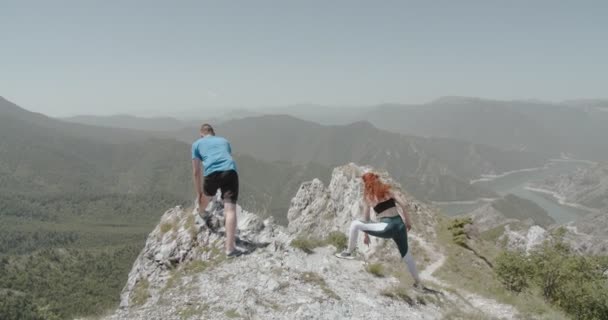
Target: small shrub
x,y
398,293
305,244
337,239
232,314
165,227
192,310
334,238
190,225
376,269
196,266
175,277
316,279
459,235
140,293
514,271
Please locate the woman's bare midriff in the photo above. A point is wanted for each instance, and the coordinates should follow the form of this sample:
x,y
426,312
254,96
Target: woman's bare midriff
x,y
390,212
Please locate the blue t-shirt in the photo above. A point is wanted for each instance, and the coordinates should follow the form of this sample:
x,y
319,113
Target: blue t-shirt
x,y
215,153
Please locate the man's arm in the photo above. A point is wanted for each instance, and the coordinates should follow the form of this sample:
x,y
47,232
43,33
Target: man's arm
x,y
197,177
403,212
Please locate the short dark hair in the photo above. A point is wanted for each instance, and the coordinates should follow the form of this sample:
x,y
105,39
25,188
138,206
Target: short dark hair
x,y
207,129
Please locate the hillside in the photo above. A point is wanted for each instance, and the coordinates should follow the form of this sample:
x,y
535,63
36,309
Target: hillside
x,y
510,209
291,272
587,186
10,110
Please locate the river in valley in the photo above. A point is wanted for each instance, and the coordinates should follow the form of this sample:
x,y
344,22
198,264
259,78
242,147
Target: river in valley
x,y
516,183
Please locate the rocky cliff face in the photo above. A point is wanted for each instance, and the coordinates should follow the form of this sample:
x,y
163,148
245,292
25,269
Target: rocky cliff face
x,y
586,186
182,272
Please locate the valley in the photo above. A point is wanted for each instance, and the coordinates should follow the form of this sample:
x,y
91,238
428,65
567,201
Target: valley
x,y
518,183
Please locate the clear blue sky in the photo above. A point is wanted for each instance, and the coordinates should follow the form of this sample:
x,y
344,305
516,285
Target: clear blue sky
x,y
101,57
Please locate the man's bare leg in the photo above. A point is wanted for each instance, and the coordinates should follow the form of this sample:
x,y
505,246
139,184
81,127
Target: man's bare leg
x,y
230,215
203,202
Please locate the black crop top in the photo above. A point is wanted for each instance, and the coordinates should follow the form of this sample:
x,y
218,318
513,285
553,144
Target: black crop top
x,y
384,205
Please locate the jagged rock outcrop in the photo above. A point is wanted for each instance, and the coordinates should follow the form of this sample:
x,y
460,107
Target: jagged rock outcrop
x,y
587,235
182,272
316,210
525,240
182,236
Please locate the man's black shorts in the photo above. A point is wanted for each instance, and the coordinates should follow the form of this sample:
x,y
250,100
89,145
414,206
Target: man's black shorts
x,y
226,181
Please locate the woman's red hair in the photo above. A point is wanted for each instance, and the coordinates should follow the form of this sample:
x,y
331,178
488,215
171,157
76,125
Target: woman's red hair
x,y
374,188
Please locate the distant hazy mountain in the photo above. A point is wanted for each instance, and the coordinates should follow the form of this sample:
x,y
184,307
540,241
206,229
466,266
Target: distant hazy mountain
x,y
132,122
588,103
544,128
437,169
574,127
326,115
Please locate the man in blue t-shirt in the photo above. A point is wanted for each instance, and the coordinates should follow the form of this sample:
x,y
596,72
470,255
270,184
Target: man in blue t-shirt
x,y
212,157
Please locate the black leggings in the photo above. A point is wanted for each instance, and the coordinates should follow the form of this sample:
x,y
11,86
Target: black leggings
x,y
387,228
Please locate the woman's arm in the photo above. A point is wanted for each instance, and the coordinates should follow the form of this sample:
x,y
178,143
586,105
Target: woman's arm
x,y
366,217
403,212
366,210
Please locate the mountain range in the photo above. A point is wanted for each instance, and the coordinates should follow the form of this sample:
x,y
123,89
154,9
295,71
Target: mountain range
x,y
574,127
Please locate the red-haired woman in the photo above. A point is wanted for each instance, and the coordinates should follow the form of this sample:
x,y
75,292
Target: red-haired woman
x,y
391,223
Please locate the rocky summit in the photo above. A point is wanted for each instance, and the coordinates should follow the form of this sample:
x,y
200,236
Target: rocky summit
x,y
291,272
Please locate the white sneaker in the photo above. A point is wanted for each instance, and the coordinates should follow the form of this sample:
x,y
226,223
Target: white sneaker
x,y
345,255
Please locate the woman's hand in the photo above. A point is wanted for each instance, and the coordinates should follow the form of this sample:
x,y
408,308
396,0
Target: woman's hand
x,y
366,239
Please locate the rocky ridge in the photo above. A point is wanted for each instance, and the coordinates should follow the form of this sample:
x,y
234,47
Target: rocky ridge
x,y
182,272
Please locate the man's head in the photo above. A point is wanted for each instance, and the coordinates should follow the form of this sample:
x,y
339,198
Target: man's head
x,y
207,130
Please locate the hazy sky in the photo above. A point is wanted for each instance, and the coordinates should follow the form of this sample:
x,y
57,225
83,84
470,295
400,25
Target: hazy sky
x,y
100,57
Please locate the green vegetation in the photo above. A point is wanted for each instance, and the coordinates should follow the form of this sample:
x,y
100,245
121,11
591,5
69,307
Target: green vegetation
x,y
72,253
192,310
307,244
571,282
337,239
459,235
232,314
377,269
16,305
465,269
141,292
398,293
316,279
68,282
166,227
512,272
